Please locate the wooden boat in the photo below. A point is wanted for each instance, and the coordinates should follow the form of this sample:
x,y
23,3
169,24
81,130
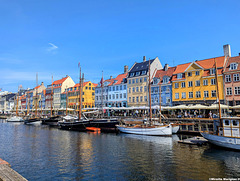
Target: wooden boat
x,y
51,121
15,119
164,130
227,133
35,120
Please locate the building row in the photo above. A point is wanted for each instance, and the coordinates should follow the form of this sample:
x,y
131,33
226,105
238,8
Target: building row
x,y
190,83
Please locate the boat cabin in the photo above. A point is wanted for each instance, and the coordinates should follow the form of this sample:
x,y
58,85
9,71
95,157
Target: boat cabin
x,y
231,127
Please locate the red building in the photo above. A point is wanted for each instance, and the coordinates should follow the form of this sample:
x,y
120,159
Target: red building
x,y
232,81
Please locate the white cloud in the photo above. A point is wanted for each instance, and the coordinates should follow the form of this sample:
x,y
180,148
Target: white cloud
x,y
52,48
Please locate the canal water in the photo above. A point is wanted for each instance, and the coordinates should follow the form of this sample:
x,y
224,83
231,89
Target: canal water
x,y
44,153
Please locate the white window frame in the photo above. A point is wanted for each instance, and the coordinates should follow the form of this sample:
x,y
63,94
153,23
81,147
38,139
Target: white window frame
x,y
235,77
233,66
197,83
228,78
205,82
183,95
213,81
228,91
198,94
176,95
190,93
183,84
206,94
190,84
236,90
213,92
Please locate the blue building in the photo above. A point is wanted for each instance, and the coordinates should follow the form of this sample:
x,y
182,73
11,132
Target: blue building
x,y
165,77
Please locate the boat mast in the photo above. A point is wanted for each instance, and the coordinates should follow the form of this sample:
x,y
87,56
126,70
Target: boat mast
x,y
66,101
36,101
80,95
51,96
17,106
102,92
218,97
160,101
149,91
28,103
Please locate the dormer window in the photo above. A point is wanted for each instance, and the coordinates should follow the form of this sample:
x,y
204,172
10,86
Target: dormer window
x,y
165,80
233,66
155,81
132,74
144,72
179,76
137,73
212,71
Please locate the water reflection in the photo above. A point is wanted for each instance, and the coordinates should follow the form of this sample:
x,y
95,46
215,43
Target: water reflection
x,y
43,153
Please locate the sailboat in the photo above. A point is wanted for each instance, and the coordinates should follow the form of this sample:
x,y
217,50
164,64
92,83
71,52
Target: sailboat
x,y
16,118
53,119
147,128
226,130
35,119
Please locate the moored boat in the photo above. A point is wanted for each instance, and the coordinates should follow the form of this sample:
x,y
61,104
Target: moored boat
x,y
227,135
15,119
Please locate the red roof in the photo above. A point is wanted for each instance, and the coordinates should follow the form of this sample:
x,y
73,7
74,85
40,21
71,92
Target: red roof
x,y
181,68
95,84
232,60
161,73
60,81
37,87
209,63
120,78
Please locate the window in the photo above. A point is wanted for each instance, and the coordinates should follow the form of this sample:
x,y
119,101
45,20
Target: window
x,y
145,88
145,79
132,74
198,94
125,86
124,95
133,89
189,74
197,73
129,90
176,95
140,80
144,72
137,89
197,83
129,99
145,98
137,73
136,81
190,84
179,76
116,88
137,99
235,77
168,100
129,81
116,96
183,84
133,99
212,71
165,80
205,82
176,85
229,91
205,93
237,90
227,122
113,96
228,78
213,81
214,93
120,87
113,88
133,81
190,94
233,66
141,98
183,95
141,89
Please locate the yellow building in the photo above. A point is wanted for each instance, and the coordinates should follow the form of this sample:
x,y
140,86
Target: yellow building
x,y
88,96
195,83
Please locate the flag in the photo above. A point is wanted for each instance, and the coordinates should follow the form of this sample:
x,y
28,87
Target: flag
x,y
101,82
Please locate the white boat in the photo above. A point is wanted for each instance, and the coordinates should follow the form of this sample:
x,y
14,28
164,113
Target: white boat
x,y
226,135
164,130
15,119
175,129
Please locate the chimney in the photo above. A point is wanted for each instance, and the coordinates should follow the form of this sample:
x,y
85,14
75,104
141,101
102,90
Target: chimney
x,y
110,77
166,66
42,83
227,50
144,58
238,54
125,69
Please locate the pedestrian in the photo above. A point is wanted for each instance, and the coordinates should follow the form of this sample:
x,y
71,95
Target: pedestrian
x,y
210,114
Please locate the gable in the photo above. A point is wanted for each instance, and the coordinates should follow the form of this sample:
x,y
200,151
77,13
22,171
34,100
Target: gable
x,y
193,66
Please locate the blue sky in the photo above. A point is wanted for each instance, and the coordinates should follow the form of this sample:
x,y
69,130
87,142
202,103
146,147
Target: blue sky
x,y
51,36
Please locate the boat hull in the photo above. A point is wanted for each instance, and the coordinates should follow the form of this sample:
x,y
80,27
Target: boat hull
x,y
15,119
155,131
222,141
175,129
